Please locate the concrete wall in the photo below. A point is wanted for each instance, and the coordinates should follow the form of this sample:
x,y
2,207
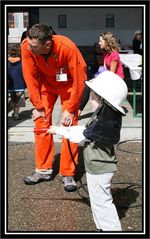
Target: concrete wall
x,y
85,24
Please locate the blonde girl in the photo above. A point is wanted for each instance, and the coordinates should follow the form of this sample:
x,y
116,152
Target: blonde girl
x,y
110,46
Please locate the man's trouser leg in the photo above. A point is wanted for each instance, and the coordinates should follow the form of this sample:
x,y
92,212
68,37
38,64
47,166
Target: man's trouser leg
x,y
67,167
44,147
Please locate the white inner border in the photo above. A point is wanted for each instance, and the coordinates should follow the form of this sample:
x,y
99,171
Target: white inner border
x,y
6,131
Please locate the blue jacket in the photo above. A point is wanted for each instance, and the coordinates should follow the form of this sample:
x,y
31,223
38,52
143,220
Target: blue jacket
x,y
15,77
105,129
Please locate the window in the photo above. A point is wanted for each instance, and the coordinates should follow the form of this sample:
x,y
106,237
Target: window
x,y
18,20
17,24
11,21
62,21
110,20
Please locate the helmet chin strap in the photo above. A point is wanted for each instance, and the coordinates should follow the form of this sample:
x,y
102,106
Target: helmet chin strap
x,y
94,115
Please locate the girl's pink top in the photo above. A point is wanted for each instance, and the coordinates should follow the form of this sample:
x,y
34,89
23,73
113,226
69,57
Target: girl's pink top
x,y
114,56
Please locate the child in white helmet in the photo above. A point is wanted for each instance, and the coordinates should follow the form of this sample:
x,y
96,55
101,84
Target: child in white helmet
x,y
100,135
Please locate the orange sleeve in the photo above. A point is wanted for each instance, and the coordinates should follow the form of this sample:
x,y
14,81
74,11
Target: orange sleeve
x,y
30,75
78,70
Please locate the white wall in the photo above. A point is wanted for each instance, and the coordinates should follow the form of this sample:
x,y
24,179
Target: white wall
x,y
84,25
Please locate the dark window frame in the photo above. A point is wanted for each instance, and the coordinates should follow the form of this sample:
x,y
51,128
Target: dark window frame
x,y
110,20
62,21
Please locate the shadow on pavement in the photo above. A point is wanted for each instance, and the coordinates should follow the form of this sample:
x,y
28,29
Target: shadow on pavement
x,y
25,115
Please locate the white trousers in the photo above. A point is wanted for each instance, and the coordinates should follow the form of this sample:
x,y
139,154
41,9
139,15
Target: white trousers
x,y
103,209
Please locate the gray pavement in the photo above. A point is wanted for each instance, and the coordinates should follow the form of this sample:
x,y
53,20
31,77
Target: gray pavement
x,y
46,208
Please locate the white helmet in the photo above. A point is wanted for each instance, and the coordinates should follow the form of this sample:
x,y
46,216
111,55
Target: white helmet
x,y
110,87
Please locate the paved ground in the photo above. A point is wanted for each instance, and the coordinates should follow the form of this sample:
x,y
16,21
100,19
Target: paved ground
x,y
46,208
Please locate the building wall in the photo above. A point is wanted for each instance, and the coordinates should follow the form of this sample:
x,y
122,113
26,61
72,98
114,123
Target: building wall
x,y
85,24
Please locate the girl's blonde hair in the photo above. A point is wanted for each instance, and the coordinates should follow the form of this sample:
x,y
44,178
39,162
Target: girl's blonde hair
x,y
112,43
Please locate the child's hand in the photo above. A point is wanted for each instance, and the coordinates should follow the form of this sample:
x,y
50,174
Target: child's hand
x,y
51,130
73,133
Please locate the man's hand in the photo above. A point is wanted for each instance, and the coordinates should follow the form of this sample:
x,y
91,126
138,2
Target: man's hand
x,y
67,118
52,130
38,113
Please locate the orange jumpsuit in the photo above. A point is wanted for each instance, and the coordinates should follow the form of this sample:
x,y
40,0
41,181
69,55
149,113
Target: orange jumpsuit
x,y
40,77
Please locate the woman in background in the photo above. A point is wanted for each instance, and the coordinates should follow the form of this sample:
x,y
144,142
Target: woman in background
x,y
110,45
137,43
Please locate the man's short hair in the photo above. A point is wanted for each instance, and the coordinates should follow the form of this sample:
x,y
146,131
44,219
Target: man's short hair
x,y
40,32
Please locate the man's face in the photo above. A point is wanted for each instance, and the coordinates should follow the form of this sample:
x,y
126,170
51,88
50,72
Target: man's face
x,y
39,48
138,36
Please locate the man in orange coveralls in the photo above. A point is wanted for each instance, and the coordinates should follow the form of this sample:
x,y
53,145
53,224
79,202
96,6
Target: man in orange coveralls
x,y
52,67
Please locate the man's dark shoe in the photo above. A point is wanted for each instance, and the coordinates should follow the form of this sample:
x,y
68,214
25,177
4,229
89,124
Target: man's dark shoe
x,y
16,116
69,184
37,178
